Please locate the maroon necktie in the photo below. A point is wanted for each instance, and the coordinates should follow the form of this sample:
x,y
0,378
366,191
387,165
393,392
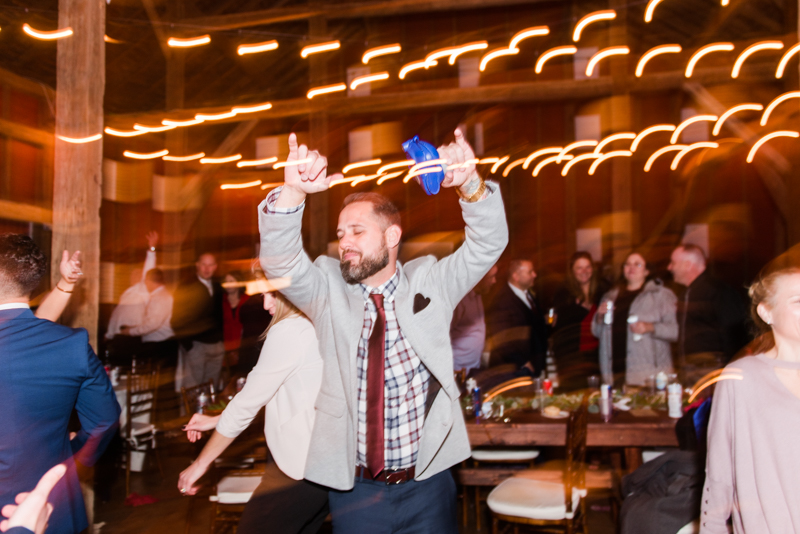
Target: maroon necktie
x,y
375,380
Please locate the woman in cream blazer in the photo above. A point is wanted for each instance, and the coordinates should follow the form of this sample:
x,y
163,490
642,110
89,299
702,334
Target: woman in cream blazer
x,y
286,380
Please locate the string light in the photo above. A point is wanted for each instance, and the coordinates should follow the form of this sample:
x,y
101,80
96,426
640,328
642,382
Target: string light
x,y
214,116
769,136
694,146
107,39
177,42
608,14
339,182
46,36
553,52
180,124
421,164
361,179
653,52
244,185
255,48
388,177
255,162
611,138
648,12
608,155
217,161
152,129
577,159
452,51
540,152
785,59
191,157
395,165
414,65
488,161
360,164
423,168
752,49
317,48
526,33
661,151
151,155
604,53
734,109
251,109
294,163
380,51
714,47
511,165
368,79
270,186
464,165
676,135
777,101
472,47
326,89
122,133
647,131
577,144
80,140
497,164
547,161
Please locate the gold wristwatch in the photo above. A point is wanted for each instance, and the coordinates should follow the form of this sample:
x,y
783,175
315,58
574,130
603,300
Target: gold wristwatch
x,y
474,197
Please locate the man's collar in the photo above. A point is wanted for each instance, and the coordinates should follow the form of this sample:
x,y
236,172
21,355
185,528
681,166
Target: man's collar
x,y
14,306
521,293
387,288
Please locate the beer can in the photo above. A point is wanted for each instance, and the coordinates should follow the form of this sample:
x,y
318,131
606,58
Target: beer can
x,y
547,385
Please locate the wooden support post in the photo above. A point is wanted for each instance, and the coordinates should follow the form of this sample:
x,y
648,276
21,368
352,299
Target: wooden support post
x,y
77,182
316,212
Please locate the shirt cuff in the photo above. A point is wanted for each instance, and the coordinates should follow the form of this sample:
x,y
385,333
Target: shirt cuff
x,y
270,208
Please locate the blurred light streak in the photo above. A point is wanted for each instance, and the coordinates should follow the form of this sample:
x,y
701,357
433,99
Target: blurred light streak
x,y
185,158
676,135
775,103
217,161
361,179
731,111
244,185
368,79
380,51
339,181
359,164
388,177
730,373
414,65
653,52
462,165
421,164
540,152
768,137
604,53
553,52
424,169
189,42
46,36
577,144
752,49
607,14
694,146
454,51
608,155
496,53
214,116
190,122
270,186
648,12
611,138
293,163
487,161
252,109
663,150
471,47
317,48
256,162
80,140
151,129
577,159
497,164
111,40
511,165
785,59
526,33
151,155
326,89
395,165
647,131
255,48
713,47
547,161
123,133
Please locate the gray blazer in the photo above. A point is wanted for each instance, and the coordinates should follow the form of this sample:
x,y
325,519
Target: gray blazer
x,y
337,311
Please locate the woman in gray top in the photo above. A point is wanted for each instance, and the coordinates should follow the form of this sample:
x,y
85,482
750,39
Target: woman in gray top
x,y
635,324
753,464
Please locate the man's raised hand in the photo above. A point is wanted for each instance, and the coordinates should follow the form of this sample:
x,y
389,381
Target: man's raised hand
x,y
306,172
459,154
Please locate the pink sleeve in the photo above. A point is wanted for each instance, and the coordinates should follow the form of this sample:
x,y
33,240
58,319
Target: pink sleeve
x,y
717,503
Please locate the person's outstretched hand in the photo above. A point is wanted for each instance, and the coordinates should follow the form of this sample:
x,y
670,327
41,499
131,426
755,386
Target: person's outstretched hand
x,y
460,155
70,267
32,510
198,424
301,179
152,239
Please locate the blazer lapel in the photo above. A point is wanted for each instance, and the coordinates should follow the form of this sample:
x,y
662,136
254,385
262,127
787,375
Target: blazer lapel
x,y
349,359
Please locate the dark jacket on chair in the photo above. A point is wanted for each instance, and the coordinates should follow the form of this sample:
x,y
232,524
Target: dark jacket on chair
x,y
518,334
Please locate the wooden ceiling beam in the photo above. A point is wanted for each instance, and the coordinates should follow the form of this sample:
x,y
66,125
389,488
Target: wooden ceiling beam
x,y
383,8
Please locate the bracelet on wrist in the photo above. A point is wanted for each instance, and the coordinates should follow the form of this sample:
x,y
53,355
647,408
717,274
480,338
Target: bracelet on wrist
x,y
474,197
62,290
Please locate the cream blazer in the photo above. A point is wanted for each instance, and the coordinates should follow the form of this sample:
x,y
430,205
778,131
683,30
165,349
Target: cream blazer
x,y
286,380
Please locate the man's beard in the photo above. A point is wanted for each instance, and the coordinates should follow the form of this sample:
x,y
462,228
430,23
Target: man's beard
x,y
368,266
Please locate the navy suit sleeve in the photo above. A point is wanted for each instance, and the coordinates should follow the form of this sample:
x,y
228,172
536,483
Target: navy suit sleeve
x,y
19,530
98,411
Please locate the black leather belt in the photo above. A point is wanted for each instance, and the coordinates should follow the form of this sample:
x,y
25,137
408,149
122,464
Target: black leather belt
x,y
389,476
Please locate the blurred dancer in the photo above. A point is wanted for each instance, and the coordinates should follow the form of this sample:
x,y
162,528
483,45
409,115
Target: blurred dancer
x,y
468,327
232,304
52,306
158,339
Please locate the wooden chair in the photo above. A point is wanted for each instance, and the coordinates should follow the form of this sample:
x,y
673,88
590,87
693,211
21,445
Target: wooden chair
x,y
233,490
190,395
554,506
140,428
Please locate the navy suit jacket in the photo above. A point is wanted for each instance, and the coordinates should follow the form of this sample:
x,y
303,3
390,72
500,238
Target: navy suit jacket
x,y
46,371
518,333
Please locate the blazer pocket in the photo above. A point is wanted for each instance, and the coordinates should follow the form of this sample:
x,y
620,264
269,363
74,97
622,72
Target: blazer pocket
x,y
330,405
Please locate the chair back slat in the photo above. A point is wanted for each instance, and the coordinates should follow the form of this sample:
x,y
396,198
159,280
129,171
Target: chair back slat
x,y
142,393
575,474
190,395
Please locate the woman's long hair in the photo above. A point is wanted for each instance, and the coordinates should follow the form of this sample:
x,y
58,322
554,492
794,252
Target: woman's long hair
x,y
763,291
239,277
574,286
283,310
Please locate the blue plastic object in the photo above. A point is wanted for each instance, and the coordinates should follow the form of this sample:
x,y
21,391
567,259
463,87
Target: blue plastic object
x,y
419,150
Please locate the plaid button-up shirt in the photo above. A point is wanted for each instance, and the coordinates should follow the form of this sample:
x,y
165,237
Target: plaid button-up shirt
x,y
405,384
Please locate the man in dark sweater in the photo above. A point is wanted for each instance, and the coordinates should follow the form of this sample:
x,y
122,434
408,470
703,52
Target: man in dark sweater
x,y
711,315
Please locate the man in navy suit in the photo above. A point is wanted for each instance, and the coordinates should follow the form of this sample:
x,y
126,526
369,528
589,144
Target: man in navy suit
x,y
46,371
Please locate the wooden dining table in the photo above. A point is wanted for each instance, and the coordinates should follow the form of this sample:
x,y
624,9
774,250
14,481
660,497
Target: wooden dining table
x,y
625,430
